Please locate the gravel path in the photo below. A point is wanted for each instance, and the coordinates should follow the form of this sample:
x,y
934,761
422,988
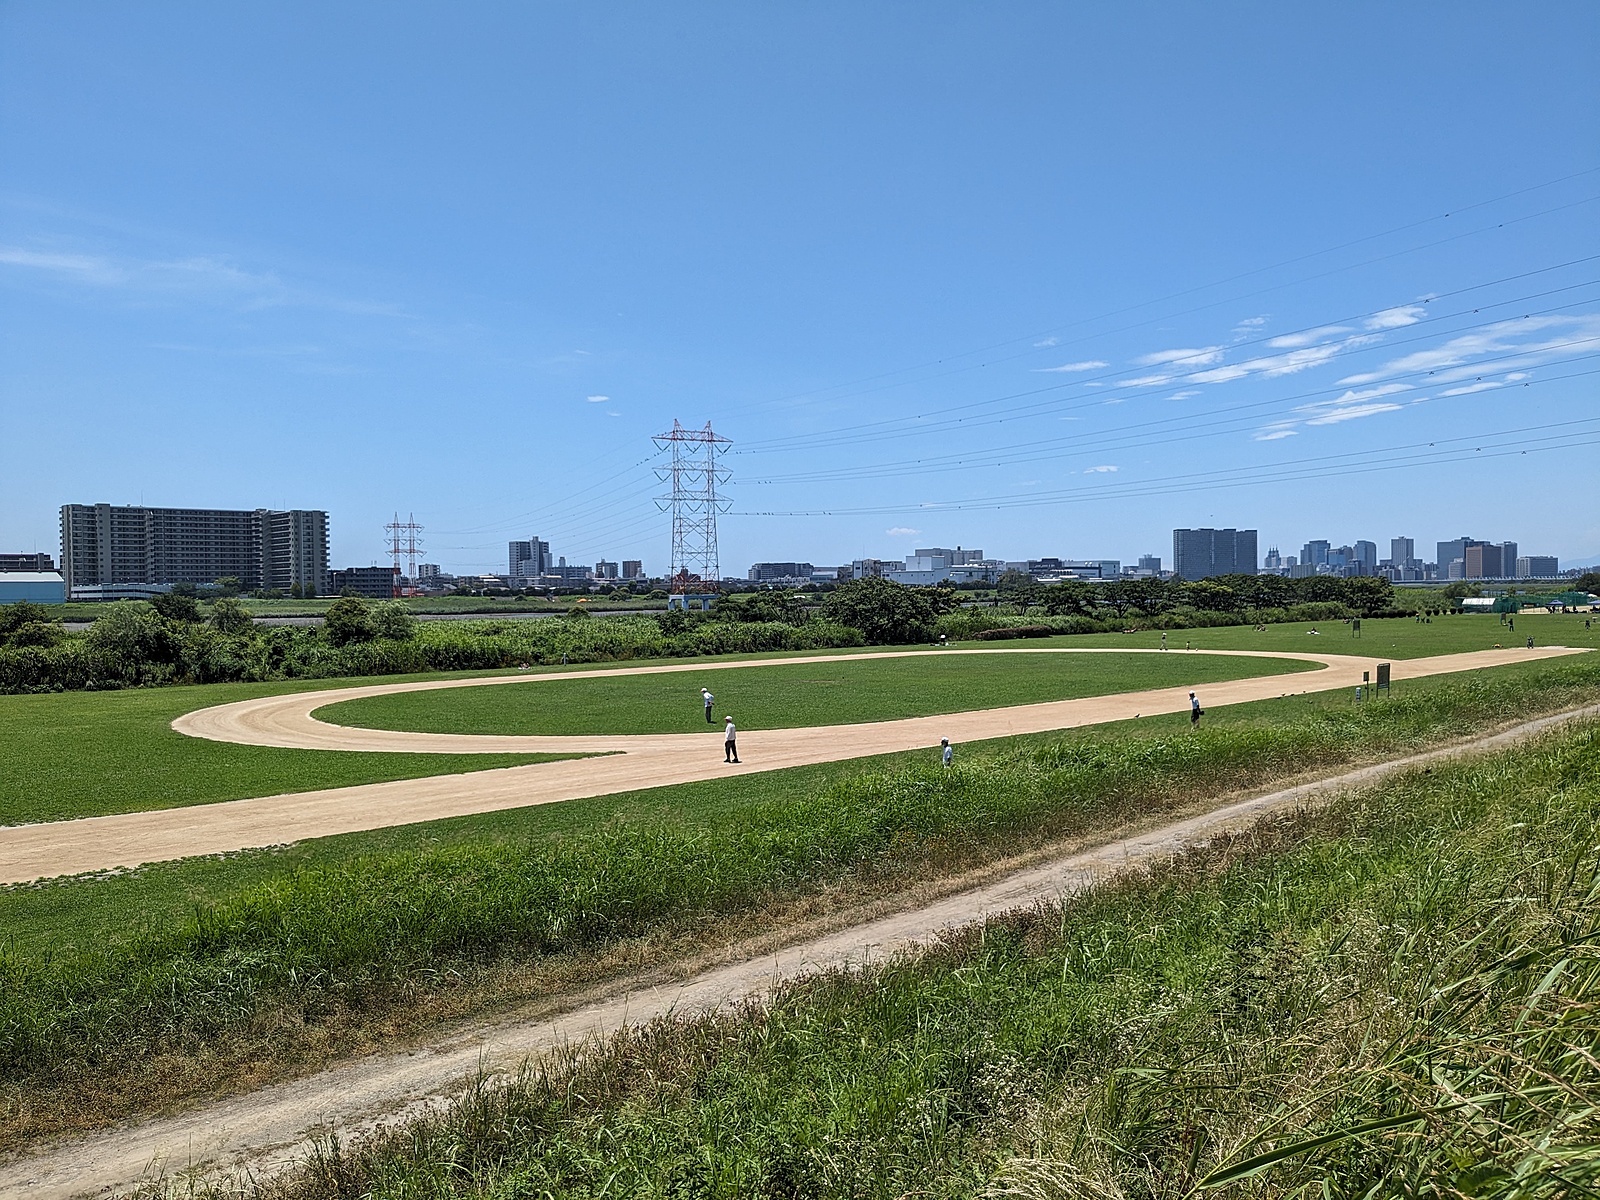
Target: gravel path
x,y
632,763
265,1131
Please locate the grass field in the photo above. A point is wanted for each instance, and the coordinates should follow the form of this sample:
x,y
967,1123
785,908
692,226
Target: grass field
x,y
1388,638
182,976
1396,996
82,754
775,696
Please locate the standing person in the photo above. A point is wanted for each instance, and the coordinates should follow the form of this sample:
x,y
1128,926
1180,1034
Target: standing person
x,y
710,700
1163,641
1530,643
730,749
1195,711
948,753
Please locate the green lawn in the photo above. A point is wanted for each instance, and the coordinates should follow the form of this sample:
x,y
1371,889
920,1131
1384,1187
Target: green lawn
x,y
786,696
90,914
83,754
1389,638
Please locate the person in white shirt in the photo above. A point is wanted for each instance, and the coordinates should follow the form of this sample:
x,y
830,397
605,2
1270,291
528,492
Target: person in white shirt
x,y
710,700
949,751
730,750
1195,711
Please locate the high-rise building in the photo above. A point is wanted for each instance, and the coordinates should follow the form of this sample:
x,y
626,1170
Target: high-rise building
x,y
605,570
1151,563
1538,566
632,568
105,544
1402,551
1489,560
1198,553
529,559
1315,553
1273,560
1366,553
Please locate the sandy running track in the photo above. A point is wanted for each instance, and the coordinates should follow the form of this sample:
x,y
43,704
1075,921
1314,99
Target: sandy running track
x,y
268,1130
633,763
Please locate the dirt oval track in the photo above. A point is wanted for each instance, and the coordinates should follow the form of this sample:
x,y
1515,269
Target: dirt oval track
x,y
631,763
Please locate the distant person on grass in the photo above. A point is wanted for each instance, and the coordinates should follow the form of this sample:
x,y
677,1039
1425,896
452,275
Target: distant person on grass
x,y
1195,711
730,749
710,700
948,753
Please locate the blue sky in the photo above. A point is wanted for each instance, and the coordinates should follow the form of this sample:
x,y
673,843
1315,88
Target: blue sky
x,y
1040,279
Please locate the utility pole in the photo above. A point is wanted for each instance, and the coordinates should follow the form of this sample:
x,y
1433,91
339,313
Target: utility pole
x,y
693,476
404,544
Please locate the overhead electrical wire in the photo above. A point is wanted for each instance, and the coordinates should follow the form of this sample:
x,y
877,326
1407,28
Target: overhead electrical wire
x,y
915,424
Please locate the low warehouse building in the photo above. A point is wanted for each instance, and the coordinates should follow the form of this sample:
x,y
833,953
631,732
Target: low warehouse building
x,y
41,587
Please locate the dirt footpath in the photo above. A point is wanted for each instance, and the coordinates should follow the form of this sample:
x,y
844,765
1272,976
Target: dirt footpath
x,y
268,1130
633,763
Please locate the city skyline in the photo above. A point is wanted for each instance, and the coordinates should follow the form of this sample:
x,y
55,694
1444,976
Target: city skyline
x,y
1034,279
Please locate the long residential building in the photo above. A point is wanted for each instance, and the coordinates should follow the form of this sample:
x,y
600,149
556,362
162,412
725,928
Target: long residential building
x,y
107,544
1200,553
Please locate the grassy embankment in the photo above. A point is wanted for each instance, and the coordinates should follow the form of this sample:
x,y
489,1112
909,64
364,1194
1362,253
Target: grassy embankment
x,y
775,696
135,991
75,754
1398,995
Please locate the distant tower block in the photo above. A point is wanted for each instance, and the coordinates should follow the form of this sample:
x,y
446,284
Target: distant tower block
x,y
693,476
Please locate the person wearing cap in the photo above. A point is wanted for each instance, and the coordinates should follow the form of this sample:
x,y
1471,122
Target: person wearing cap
x,y
1195,711
730,750
710,700
949,751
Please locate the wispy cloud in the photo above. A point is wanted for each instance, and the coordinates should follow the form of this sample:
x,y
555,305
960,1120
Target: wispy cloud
x,y
1352,412
1049,341
1092,364
1186,394
1307,337
1146,381
1487,385
199,277
1273,435
596,399
1396,318
902,531
1105,470
1510,341
1194,357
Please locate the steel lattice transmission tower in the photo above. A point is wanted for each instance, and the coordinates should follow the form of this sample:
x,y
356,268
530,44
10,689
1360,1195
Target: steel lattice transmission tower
x,y
404,544
693,475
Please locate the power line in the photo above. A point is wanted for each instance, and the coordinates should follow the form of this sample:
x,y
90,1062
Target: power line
x,y
876,430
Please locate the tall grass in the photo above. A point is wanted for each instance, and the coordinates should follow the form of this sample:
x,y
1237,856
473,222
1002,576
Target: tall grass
x,y
366,930
1397,996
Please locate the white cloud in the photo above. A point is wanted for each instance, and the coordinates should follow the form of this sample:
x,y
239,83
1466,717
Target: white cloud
x,y
1353,412
902,531
1199,357
83,267
596,399
1093,364
1219,374
1290,340
1272,435
1106,470
1355,397
1146,381
1504,339
1516,376
1050,341
1186,394
1396,318
1469,389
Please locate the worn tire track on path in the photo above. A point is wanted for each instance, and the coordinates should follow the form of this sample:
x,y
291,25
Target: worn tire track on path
x,y
632,763
268,1131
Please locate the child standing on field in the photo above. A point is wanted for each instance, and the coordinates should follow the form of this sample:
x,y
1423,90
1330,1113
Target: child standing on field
x,y
948,753
710,700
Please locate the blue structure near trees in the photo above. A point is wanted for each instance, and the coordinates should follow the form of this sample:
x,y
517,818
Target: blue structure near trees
x,y
41,587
